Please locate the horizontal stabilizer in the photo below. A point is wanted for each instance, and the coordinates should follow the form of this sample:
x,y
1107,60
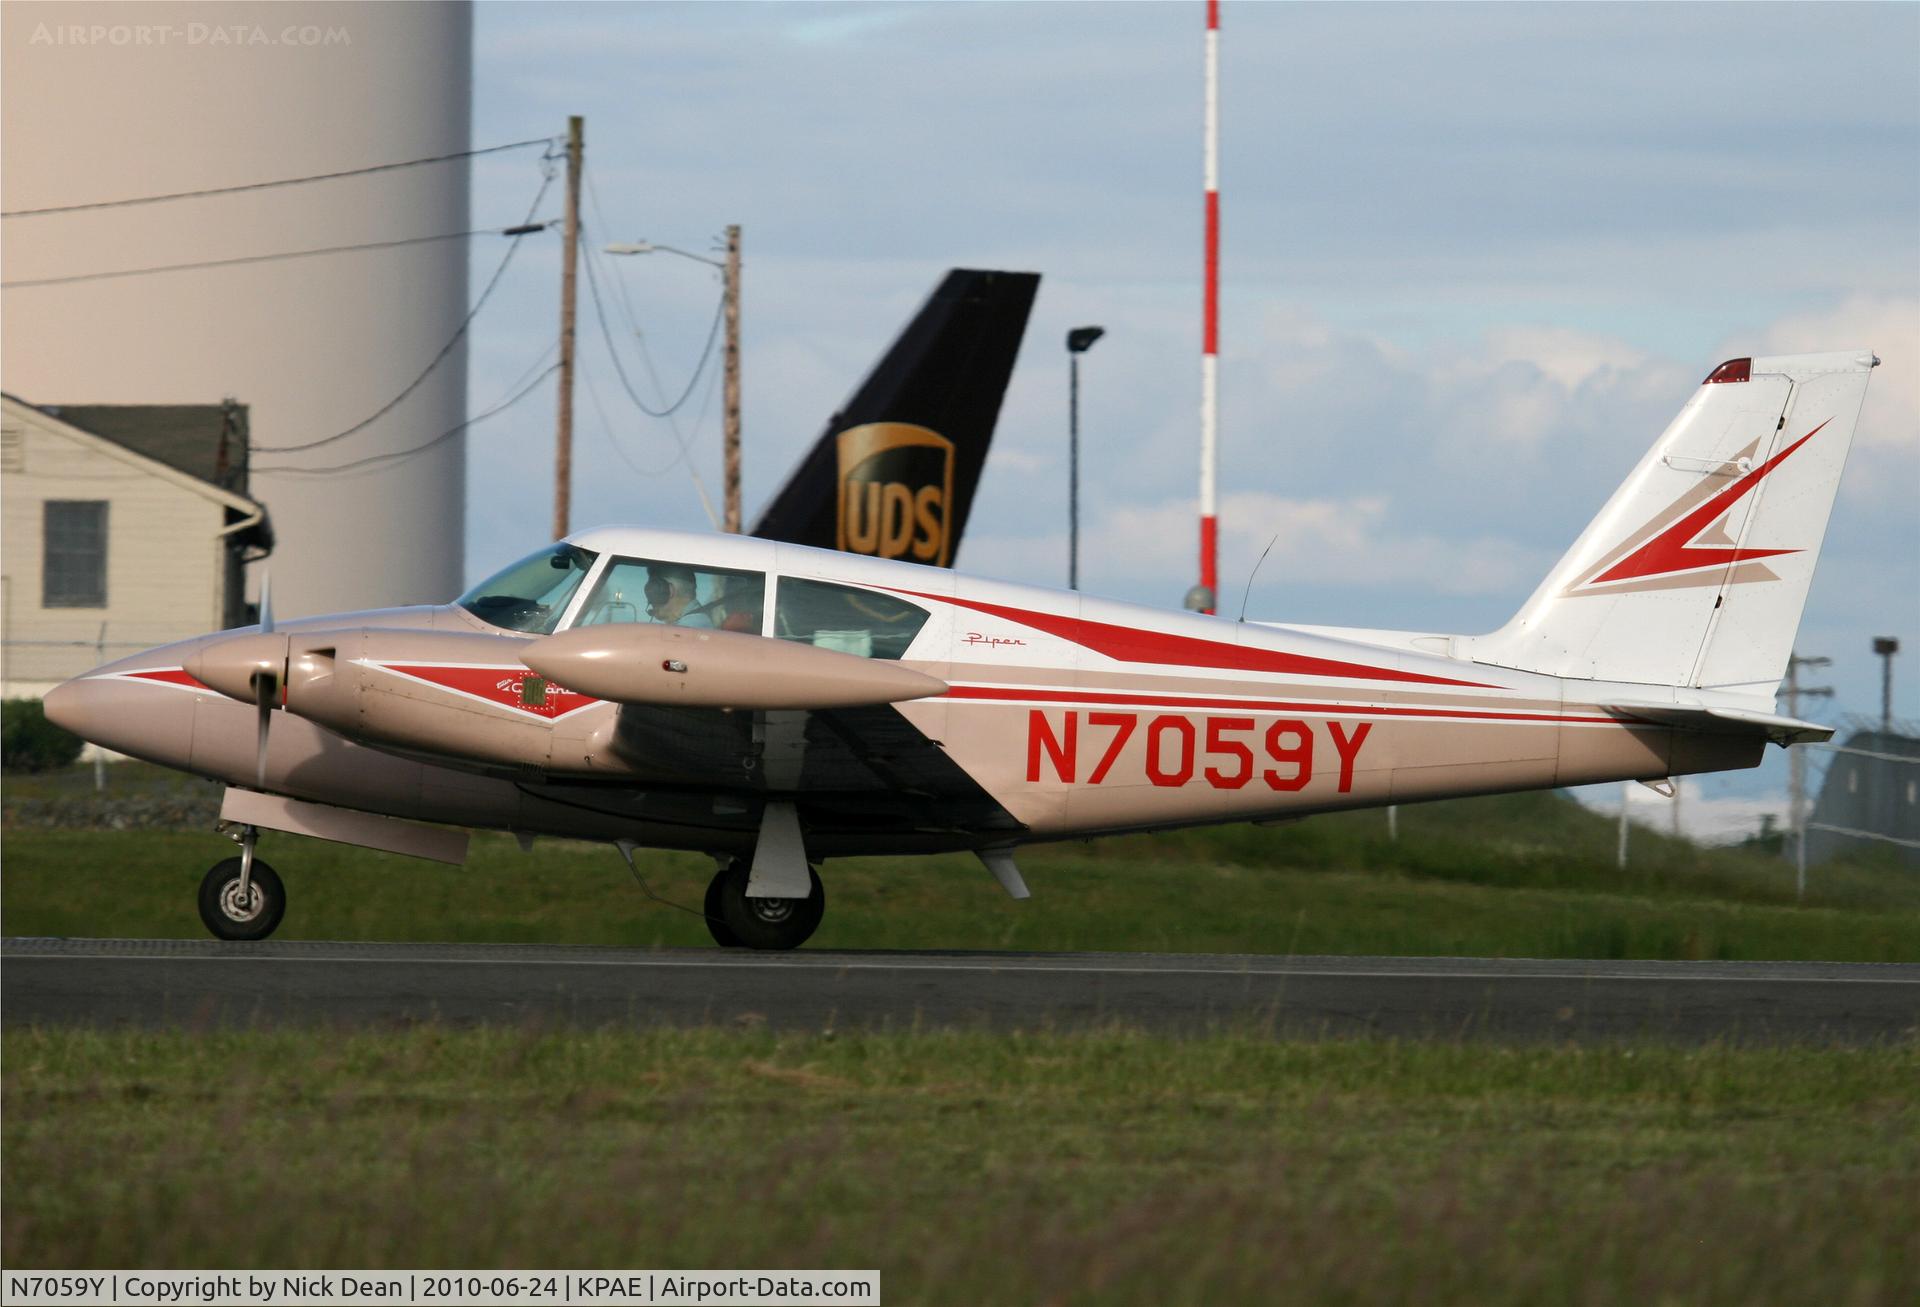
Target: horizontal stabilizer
x,y
1727,721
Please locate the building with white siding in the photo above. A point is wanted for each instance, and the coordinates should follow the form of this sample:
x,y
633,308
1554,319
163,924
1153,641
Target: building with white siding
x,y
243,93
116,539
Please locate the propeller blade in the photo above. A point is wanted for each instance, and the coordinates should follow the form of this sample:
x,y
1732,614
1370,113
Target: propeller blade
x,y
266,689
266,602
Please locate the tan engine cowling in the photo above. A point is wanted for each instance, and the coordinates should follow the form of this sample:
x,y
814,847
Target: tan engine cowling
x,y
691,667
452,695
234,665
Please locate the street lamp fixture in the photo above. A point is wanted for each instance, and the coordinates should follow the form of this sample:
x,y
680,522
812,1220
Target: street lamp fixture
x,y
730,280
1079,341
651,247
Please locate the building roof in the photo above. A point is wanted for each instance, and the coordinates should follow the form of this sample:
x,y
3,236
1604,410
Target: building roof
x,y
178,435
206,441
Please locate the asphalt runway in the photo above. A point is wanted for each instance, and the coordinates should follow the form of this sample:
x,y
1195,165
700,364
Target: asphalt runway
x,y
206,983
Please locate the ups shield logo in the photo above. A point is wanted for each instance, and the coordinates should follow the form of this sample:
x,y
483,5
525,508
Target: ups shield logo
x,y
896,492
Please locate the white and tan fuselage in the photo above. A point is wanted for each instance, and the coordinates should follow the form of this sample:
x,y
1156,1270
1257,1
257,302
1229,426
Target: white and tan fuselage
x,y
1075,716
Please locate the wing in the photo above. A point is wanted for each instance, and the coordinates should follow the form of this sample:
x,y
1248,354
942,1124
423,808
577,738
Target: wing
x,y
852,772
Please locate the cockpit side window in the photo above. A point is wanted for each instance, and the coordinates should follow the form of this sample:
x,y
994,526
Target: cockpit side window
x,y
533,593
676,594
845,618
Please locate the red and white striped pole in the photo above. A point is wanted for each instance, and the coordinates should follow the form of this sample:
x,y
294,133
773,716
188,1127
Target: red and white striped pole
x,y
1210,339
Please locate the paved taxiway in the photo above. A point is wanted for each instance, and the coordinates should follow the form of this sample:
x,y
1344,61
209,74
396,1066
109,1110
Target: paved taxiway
x,y
196,983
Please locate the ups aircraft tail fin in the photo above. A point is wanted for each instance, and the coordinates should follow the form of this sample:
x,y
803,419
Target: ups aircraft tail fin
x,y
894,472
1695,573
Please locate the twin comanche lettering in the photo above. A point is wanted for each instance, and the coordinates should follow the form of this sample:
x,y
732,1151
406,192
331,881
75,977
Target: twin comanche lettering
x,y
1175,749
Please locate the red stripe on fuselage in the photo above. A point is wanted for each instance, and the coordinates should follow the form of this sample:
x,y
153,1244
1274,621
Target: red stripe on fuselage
x,y
1129,645
169,676
503,687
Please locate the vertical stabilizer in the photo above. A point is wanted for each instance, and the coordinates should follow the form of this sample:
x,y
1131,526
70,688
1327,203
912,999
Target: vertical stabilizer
x,y
1696,571
894,473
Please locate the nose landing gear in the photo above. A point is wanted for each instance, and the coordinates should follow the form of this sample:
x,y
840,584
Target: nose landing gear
x,y
242,898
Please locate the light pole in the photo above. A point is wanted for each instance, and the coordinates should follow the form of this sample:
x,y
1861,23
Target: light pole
x,y
1886,646
1797,763
1079,341
730,402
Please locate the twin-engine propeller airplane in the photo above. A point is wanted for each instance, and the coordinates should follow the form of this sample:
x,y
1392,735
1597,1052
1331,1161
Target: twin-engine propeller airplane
x,y
776,705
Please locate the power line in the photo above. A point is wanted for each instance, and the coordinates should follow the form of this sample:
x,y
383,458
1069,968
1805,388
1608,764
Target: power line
x,y
265,258
400,455
458,336
552,348
619,281
713,335
606,430
284,181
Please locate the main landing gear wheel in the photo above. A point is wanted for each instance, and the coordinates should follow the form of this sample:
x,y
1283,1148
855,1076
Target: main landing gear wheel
x,y
763,923
232,914
716,913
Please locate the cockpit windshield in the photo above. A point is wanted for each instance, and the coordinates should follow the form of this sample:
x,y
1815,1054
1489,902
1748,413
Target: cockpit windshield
x,y
533,593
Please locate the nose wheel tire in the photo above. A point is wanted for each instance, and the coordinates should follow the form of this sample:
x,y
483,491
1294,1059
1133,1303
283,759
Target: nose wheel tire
x,y
761,923
229,914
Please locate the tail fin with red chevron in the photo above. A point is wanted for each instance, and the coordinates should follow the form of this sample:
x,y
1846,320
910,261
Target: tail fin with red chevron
x,y
1696,571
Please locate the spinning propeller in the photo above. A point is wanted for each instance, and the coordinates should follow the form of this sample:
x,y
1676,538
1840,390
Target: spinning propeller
x,y
266,684
250,668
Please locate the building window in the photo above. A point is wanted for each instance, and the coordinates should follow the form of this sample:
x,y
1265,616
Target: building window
x,y
74,571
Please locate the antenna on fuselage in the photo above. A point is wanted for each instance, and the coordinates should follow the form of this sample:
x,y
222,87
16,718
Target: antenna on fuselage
x,y
1248,592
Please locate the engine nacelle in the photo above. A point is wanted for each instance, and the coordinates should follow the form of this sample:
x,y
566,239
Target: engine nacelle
x,y
546,706
694,667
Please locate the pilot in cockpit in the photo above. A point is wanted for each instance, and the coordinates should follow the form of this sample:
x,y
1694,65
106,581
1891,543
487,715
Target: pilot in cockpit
x,y
671,597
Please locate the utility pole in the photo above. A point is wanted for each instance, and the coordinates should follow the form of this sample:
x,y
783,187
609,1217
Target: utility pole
x,y
569,264
731,398
1797,763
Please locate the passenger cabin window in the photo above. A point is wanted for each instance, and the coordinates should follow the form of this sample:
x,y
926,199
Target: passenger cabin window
x,y
845,618
533,593
676,594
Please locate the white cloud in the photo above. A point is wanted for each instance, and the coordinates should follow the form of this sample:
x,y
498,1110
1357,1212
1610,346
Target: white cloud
x,y
1887,325
1349,543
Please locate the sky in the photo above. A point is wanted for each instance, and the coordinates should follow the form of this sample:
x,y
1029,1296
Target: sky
x,y
1474,259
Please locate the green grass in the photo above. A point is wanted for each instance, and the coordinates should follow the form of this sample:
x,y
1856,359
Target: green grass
x,y
1108,1167
1524,875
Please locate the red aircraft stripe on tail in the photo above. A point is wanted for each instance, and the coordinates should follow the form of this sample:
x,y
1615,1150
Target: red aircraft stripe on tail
x,y
1127,645
1673,549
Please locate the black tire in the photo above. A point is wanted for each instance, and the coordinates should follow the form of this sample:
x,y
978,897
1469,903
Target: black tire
x,y
222,912
769,923
716,914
